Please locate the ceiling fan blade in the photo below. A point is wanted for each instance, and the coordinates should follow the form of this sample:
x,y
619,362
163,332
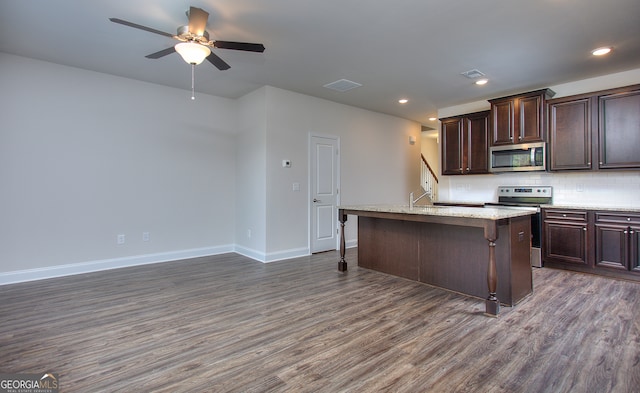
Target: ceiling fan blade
x,y
137,26
246,46
161,53
197,20
218,62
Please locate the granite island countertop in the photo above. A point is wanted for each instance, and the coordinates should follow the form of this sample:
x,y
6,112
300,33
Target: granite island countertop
x,y
486,213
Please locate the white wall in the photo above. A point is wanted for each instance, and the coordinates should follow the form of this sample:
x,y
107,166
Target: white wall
x,y
430,148
378,165
602,188
251,183
86,156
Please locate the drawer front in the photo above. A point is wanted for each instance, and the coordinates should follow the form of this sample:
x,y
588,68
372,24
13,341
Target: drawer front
x,y
565,215
618,218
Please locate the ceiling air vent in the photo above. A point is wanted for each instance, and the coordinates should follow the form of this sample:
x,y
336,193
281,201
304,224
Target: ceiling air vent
x,y
342,85
472,74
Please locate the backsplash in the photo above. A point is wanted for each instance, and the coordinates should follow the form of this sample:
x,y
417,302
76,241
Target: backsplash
x,y
607,189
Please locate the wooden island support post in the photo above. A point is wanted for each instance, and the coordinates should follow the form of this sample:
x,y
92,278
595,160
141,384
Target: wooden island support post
x,y
492,304
444,247
342,217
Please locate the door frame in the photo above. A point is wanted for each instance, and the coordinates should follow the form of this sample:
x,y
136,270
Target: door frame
x,y
311,177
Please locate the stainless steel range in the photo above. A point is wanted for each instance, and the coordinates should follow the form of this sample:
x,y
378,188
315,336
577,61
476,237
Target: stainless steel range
x,y
530,198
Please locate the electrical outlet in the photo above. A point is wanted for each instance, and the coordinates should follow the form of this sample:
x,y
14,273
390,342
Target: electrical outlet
x,y
120,239
145,236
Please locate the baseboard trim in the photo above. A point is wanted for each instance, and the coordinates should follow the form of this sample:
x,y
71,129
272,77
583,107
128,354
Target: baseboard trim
x,y
107,264
287,254
272,257
19,276
250,253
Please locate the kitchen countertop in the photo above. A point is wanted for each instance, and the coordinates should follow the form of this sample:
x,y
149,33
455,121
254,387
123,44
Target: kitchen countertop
x,y
592,207
487,213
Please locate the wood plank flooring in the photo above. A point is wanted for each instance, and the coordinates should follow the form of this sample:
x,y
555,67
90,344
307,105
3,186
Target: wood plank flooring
x,y
229,324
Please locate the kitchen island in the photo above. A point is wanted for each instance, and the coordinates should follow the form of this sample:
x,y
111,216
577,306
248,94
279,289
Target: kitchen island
x,y
471,250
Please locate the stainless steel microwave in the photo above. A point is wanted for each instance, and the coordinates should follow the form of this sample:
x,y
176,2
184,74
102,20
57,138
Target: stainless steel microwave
x,y
518,158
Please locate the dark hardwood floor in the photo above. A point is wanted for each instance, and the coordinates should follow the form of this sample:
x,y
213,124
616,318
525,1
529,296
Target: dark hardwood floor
x,y
229,324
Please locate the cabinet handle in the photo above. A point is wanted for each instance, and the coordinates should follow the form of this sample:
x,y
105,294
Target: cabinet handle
x,y
631,232
588,163
467,169
626,231
628,218
564,215
584,229
600,162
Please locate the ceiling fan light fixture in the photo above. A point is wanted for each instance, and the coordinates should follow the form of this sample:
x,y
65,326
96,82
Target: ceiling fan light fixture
x,y
192,53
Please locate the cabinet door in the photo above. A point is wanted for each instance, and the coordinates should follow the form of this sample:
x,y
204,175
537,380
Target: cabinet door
x,y
611,246
502,122
452,147
476,129
530,127
634,248
570,134
619,130
565,242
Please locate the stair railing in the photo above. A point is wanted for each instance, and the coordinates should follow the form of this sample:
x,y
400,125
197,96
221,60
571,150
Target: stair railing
x,y
428,179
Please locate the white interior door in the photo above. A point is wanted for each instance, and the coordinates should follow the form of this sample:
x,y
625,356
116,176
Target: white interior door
x,y
324,193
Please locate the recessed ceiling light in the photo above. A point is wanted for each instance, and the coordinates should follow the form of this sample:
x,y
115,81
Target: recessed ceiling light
x,y
482,82
601,51
403,100
432,118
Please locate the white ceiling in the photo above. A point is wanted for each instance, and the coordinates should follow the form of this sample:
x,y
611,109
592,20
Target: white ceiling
x,y
404,48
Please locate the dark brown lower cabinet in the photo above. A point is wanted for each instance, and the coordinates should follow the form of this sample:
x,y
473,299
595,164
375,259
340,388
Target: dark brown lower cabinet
x,y
565,237
635,249
617,241
599,242
612,250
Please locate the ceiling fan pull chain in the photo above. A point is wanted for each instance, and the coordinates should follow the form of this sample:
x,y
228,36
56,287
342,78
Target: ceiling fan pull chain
x,y
193,70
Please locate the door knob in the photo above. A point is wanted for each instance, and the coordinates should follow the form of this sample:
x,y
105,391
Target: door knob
x,y
316,200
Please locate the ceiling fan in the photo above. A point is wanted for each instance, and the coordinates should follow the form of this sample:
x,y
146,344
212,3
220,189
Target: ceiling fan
x,y
194,45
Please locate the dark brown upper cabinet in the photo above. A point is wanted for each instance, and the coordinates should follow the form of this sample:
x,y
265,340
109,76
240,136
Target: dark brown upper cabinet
x,y
619,129
594,131
570,133
465,144
519,118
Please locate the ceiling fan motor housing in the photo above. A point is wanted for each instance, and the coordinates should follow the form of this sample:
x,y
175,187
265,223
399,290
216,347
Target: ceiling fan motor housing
x,y
185,35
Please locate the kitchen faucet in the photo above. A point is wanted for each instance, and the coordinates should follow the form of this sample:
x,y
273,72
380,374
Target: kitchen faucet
x,y
412,201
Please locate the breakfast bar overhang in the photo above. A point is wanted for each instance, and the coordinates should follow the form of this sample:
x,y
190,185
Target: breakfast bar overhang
x,y
471,250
